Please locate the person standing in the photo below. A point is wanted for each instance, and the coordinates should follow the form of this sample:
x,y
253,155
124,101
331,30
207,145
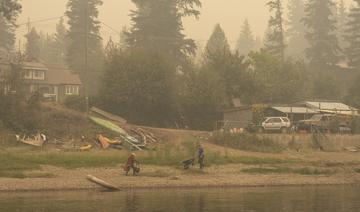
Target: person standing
x,y
201,156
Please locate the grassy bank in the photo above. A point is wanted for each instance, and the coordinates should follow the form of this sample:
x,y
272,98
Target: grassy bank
x,y
276,143
26,162
17,162
247,142
287,170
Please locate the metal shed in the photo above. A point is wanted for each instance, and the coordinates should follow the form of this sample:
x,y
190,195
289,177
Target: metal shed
x,y
292,112
239,117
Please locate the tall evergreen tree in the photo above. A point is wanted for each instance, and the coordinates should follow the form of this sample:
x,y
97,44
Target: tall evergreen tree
x,y
46,42
85,54
321,32
342,16
258,43
61,43
275,40
33,45
227,68
140,87
10,9
111,49
157,24
325,85
123,44
53,47
203,97
246,41
353,36
353,97
7,34
217,44
276,81
296,29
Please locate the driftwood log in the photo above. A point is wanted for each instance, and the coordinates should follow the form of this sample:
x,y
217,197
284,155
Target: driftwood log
x,y
102,183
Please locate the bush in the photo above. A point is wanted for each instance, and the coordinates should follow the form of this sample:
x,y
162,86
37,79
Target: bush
x,y
247,142
18,115
355,126
76,103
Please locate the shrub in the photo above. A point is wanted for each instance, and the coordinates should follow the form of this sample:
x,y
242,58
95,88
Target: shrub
x,y
18,115
355,125
76,103
247,142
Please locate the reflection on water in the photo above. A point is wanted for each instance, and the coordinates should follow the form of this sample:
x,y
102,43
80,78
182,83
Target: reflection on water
x,y
274,199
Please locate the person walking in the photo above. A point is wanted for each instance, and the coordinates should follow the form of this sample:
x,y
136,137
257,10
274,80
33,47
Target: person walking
x,y
201,156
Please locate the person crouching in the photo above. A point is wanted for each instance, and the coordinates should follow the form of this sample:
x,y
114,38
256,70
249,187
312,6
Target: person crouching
x,y
131,164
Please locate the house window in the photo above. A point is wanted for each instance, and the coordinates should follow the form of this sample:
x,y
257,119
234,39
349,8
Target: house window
x,y
28,74
72,90
39,75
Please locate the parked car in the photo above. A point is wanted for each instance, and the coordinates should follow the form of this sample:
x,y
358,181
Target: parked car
x,y
281,124
325,123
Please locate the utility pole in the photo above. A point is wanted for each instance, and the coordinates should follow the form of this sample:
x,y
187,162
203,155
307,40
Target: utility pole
x,y
86,58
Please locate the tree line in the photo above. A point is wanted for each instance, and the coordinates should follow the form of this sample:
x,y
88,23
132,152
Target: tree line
x,y
149,75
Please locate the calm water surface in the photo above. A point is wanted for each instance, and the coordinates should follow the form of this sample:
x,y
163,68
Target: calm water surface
x,y
274,199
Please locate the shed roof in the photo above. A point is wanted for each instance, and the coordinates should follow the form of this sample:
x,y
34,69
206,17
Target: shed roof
x,y
61,76
329,106
342,112
295,110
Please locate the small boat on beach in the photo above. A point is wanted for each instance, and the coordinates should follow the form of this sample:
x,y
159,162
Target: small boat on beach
x,y
37,141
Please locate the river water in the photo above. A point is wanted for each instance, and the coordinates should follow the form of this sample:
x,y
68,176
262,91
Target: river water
x,y
269,199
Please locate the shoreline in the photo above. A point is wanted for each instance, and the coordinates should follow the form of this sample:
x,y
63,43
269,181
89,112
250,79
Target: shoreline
x,y
98,189
221,177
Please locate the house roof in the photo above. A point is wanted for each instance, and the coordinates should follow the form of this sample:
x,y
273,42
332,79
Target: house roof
x,y
294,110
54,75
34,66
61,76
331,105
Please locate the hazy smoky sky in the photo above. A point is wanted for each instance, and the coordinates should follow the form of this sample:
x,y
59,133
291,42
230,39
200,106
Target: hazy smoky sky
x,y
115,13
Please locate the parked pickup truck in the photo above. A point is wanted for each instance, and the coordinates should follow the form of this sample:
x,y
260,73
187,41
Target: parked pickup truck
x,y
324,123
281,124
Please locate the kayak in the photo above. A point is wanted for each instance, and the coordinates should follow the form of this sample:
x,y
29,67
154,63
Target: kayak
x,y
86,147
108,125
103,141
